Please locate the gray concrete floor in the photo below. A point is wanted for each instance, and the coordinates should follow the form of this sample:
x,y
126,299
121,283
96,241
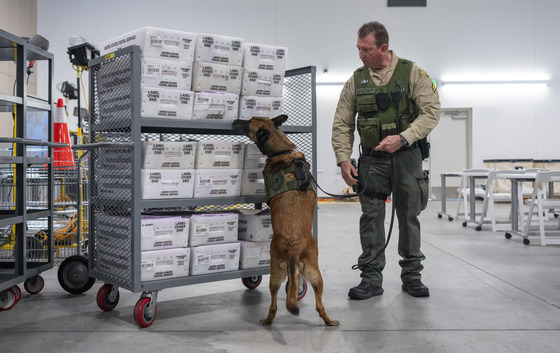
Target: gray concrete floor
x,y
488,294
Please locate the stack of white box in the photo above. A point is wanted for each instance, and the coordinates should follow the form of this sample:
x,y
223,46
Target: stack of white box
x,y
264,68
213,242
168,169
167,58
164,244
217,75
255,235
218,169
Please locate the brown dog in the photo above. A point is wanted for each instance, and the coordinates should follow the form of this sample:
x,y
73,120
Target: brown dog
x,y
293,250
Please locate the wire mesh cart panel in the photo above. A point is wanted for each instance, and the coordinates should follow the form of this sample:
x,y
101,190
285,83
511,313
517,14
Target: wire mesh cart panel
x,y
25,178
117,131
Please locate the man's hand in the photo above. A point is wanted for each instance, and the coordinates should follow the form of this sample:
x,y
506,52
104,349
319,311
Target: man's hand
x,y
390,144
347,169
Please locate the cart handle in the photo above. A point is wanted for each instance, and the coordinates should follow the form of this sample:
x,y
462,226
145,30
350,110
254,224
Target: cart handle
x,y
90,146
32,142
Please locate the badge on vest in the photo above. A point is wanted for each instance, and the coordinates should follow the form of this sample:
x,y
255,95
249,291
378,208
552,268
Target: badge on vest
x,y
364,81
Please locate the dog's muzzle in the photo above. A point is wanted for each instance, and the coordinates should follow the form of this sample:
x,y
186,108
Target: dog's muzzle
x,y
241,126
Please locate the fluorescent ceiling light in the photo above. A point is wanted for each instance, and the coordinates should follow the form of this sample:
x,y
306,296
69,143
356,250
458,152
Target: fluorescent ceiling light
x,y
494,82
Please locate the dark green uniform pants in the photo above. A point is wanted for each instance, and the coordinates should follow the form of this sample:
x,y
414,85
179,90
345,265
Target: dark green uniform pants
x,y
410,198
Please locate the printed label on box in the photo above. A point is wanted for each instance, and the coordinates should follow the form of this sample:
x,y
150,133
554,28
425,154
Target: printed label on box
x,y
219,155
167,183
168,155
216,77
219,49
155,42
215,106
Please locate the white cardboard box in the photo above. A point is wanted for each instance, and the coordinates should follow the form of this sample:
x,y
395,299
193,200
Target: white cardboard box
x,y
219,155
168,155
219,49
216,77
167,103
164,73
214,258
255,226
268,107
164,264
217,183
254,254
262,83
252,182
167,183
264,57
213,228
253,158
161,232
159,43
215,106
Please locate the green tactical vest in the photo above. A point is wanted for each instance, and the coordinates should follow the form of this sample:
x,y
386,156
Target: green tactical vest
x,y
383,110
275,183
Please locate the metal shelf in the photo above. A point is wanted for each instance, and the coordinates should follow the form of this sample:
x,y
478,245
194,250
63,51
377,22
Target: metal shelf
x,y
126,127
23,257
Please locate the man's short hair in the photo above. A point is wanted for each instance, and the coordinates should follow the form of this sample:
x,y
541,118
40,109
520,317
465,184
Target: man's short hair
x,y
379,32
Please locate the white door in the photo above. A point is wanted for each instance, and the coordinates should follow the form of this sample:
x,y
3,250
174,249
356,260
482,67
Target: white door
x,y
451,149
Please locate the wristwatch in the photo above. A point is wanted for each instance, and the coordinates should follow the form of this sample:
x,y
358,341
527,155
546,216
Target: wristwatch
x,y
403,140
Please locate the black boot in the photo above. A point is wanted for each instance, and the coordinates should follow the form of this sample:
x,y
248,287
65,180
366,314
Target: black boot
x,y
364,290
416,288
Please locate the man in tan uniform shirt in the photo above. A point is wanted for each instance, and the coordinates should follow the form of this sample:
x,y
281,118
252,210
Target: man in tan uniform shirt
x,y
392,158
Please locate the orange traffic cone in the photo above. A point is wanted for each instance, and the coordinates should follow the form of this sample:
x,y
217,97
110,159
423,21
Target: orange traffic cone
x,y
62,156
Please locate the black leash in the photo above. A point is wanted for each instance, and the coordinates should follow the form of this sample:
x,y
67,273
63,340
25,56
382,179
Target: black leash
x,y
356,266
393,209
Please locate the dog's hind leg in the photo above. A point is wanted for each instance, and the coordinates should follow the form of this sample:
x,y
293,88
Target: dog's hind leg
x,y
277,276
313,276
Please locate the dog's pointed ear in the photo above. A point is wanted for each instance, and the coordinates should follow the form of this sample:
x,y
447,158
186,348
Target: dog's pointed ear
x,y
262,136
280,119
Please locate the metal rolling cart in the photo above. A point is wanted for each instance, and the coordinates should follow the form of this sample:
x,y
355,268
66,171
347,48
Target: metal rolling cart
x,y
71,225
116,132
25,178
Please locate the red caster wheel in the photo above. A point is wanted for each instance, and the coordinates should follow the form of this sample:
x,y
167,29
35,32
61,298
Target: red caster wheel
x,y
107,297
34,284
252,282
144,313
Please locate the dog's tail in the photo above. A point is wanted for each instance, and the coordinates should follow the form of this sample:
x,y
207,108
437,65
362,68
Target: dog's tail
x,y
293,289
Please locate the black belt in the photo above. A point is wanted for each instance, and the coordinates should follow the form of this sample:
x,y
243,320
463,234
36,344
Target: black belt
x,y
382,154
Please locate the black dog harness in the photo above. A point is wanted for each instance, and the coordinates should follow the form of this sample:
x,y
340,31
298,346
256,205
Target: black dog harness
x,y
275,182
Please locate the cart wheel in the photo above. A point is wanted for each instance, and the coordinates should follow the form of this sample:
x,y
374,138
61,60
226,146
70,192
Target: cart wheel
x,y
107,300
439,215
526,241
478,228
251,282
143,313
34,284
464,224
17,292
7,302
302,289
450,218
73,275
508,235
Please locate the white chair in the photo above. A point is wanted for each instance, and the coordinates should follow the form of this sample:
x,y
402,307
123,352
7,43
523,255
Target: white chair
x,y
464,192
491,197
543,204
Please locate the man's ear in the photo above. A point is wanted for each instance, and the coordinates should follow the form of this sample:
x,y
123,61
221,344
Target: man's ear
x,y
384,48
280,119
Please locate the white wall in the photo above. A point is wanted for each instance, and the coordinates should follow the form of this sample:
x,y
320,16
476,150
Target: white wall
x,y
451,39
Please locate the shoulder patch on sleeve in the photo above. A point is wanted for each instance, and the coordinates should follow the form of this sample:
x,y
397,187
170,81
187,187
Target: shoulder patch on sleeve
x,y
434,88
